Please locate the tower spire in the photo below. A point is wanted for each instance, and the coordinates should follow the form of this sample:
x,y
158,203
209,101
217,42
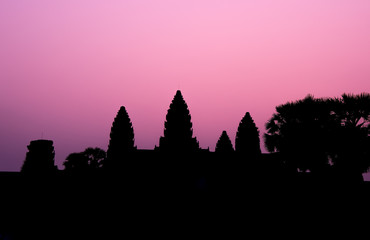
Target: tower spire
x,y
178,128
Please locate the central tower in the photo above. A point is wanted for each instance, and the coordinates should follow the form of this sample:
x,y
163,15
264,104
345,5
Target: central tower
x,y
178,129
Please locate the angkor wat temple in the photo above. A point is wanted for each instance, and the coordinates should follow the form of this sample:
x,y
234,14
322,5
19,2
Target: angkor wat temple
x,y
178,154
176,180
179,151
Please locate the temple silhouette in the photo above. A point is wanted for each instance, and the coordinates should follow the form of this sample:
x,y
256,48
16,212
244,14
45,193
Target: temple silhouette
x,y
297,152
178,156
319,149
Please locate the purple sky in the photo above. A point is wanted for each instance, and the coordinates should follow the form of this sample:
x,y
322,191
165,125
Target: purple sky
x,y
67,66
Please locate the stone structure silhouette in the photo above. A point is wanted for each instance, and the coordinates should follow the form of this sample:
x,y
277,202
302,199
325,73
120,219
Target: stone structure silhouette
x,y
122,141
224,144
247,141
178,131
40,157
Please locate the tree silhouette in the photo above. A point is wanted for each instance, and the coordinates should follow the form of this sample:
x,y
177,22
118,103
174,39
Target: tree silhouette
x,y
77,162
356,110
96,157
314,133
300,131
349,151
247,140
224,144
178,129
122,141
90,159
40,157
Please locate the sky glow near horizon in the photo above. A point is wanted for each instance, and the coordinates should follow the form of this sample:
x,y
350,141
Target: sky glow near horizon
x,y
67,66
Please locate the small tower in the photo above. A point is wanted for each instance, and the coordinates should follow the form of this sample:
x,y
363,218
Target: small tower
x,y
40,157
247,142
224,144
122,139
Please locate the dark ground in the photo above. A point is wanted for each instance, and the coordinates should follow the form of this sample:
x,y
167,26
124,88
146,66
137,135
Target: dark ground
x,y
178,204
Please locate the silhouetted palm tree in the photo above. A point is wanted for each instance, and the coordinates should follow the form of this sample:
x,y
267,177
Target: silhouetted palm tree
x,y
247,142
313,133
122,140
224,144
178,131
356,109
350,146
300,131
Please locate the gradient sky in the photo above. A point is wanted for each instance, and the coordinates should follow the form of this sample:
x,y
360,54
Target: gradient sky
x,y
67,66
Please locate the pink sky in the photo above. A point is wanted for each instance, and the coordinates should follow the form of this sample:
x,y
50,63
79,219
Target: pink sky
x,y
67,66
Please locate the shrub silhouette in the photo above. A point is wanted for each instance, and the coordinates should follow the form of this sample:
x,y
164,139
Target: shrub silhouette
x,y
122,140
224,144
40,157
90,159
178,131
76,162
247,142
96,157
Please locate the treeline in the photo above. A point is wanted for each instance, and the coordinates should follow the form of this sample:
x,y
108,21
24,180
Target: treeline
x,y
314,136
323,134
